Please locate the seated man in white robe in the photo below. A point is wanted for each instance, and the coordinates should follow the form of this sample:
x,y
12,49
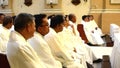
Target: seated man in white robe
x,y
66,35
58,49
72,21
20,54
5,32
95,37
94,25
40,45
78,42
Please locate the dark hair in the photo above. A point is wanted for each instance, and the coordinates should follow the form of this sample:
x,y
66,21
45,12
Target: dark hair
x,y
90,15
2,14
22,20
66,16
50,16
39,19
7,20
84,16
56,20
70,16
13,18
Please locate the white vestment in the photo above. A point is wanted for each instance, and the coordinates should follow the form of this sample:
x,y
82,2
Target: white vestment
x,y
43,51
95,36
76,42
79,44
88,34
115,56
59,50
75,28
94,26
4,37
66,35
20,54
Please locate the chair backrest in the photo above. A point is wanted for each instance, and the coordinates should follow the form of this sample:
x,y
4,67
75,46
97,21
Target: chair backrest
x,y
3,61
108,40
82,34
106,62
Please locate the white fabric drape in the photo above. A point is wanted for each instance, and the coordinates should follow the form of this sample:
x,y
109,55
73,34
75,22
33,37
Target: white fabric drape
x,y
59,51
20,54
43,51
4,37
115,56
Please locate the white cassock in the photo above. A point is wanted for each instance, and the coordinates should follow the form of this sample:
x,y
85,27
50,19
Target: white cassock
x,y
20,54
88,34
94,26
43,51
75,28
66,36
4,37
59,51
79,44
115,56
95,37
82,48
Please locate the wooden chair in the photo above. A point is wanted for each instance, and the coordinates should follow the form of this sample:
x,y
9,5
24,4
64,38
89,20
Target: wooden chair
x,y
106,62
3,61
108,40
82,34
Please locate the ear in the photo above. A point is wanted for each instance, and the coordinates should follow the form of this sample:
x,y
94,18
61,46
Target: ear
x,y
39,29
28,27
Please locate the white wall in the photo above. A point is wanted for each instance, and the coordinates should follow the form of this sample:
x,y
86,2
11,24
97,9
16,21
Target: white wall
x,y
38,6
35,8
79,10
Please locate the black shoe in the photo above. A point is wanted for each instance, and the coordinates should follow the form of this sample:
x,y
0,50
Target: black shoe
x,y
97,61
90,44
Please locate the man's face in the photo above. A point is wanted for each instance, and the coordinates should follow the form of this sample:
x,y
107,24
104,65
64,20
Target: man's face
x,y
44,28
86,19
60,27
1,18
74,19
31,28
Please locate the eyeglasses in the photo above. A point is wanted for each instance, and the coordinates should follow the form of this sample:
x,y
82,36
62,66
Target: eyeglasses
x,y
43,25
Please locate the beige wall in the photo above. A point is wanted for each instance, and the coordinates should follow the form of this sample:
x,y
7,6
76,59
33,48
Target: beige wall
x,y
8,9
35,8
112,6
65,6
103,11
107,19
79,10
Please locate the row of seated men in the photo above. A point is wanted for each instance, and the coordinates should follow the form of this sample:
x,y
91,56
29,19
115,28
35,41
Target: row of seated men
x,y
34,43
92,32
